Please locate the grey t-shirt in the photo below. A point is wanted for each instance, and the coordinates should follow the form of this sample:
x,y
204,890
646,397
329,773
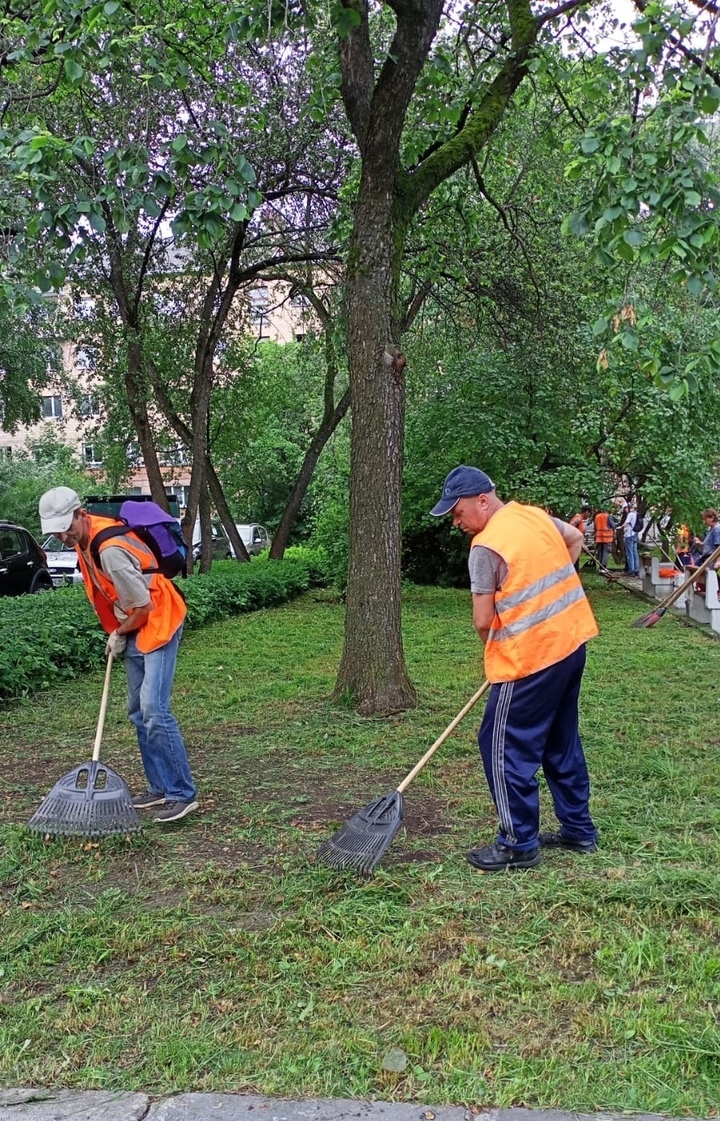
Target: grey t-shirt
x,y
124,570
488,571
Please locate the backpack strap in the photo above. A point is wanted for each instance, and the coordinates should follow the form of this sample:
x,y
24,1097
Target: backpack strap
x,y
120,531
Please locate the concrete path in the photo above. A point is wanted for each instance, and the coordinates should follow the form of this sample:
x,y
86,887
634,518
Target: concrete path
x,y
100,1105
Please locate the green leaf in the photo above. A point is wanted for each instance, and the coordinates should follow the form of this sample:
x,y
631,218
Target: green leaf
x,y
111,7
73,71
589,144
600,326
624,251
694,285
633,237
577,223
345,20
97,222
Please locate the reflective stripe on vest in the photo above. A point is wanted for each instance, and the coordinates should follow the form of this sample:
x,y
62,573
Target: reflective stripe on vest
x,y
542,615
168,607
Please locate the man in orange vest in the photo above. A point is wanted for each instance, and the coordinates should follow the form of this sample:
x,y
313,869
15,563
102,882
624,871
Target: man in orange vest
x,y
604,526
143,614
530,611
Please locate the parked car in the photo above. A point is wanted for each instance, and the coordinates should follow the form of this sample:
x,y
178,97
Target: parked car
x,y
23,564
221,549
62,562
255,538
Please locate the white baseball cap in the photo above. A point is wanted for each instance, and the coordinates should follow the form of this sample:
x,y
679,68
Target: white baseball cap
x,y
57,508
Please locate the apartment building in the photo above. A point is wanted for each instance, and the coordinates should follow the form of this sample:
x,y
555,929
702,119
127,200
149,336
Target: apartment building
x,y
72,409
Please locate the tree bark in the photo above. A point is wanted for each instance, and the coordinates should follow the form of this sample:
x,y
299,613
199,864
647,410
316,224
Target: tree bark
x,y
372,668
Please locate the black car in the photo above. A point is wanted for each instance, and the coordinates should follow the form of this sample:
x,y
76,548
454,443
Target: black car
x,y
23,564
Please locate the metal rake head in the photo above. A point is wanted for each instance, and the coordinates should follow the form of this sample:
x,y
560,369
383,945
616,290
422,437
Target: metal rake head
x,y
361,842
90,801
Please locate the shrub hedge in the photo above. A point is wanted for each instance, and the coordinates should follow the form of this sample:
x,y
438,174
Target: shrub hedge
x,y
47,639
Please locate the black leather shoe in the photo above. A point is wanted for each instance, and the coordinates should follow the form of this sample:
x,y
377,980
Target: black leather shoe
x,y
498,857
560,841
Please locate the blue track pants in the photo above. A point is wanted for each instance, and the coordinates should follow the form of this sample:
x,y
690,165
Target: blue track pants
x,y
529,724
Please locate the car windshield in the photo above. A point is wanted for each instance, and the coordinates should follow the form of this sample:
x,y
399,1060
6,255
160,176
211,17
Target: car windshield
x,y
54,545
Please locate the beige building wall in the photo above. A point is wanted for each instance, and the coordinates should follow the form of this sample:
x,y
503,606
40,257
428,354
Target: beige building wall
x,y
269,313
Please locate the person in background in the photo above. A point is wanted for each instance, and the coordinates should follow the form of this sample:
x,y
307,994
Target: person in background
x,y
712,536
531,614
604,527
630,535
142,613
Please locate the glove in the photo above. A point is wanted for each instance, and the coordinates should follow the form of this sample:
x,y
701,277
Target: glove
x,y
116,644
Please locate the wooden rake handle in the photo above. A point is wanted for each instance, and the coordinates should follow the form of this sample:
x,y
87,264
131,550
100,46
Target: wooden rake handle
x,y
605,571
442,737
690,580
103,709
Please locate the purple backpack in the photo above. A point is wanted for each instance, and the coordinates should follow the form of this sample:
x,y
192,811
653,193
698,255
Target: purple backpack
x,y
155,528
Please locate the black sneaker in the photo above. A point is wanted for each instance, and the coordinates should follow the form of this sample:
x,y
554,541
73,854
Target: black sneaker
x,y
144,801
175,810
558,840
498,857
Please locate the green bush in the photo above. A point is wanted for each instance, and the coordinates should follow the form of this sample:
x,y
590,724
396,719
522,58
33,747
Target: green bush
x,y
47,639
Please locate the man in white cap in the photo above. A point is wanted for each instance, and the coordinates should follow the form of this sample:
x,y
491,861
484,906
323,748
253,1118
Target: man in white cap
x,y
530,611
142,613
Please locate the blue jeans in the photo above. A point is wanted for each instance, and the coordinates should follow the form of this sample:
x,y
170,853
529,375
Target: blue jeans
x,y
164,758
631,553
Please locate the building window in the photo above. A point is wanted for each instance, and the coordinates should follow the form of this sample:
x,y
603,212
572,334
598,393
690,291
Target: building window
x,y
299,336
182,493
259,302
84,306
84,358
52,407
89,456
89,406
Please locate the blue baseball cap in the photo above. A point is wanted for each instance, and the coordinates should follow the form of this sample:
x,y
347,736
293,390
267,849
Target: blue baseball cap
x,y
463,482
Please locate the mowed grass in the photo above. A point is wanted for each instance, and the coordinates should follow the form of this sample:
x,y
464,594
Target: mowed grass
x,y
214,955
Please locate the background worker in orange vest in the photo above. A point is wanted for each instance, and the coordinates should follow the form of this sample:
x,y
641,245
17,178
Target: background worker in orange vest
x,y
530,611
604,527
143,614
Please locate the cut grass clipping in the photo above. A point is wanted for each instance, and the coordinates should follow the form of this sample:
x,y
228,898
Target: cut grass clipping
x,y
213,955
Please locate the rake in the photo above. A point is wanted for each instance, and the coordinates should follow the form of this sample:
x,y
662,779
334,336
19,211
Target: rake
x,y
654,616
92,800
613,577
361,842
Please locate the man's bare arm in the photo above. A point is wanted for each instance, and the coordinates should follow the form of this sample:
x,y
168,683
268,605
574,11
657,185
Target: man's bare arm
x,y
483,613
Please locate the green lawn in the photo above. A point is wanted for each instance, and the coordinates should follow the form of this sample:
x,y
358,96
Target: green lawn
x,y
213,955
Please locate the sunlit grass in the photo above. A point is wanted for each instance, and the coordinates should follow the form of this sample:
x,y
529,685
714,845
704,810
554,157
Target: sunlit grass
x,y
214,955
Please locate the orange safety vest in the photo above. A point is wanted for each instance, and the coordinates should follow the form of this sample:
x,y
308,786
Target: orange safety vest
x,y
603,532
541,613
168,606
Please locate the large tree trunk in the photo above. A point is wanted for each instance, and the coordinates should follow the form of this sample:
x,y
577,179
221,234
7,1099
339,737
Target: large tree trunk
x,y
373,664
